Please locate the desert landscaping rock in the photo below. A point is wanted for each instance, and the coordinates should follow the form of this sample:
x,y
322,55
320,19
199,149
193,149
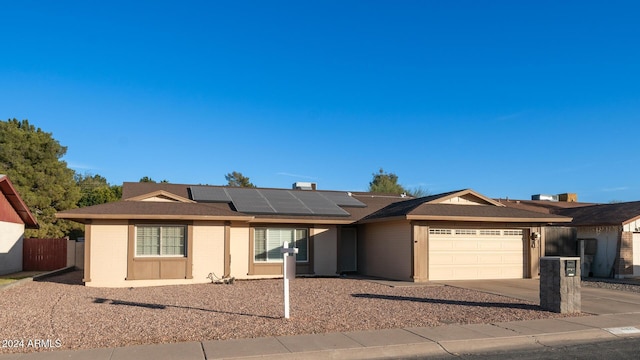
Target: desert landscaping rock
x,y
83,317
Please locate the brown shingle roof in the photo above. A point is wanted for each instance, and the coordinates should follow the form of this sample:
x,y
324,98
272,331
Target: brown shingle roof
x,y
428,209
133,189
603,214
379,207
543,206
152,210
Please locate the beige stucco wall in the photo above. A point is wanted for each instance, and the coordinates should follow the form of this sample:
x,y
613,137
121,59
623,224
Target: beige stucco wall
x,y
11,236
325,243
109,245
239,249
108,254
208,250
385,250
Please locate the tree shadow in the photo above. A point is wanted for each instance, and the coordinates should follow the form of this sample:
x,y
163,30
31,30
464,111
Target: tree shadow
x,y
163,307
520,306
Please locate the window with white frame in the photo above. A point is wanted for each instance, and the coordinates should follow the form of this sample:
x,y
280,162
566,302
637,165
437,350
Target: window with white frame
x,y
269,241
160,240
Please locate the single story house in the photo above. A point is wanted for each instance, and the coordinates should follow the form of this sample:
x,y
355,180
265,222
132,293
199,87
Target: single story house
x,y
161,234
14,218
608,234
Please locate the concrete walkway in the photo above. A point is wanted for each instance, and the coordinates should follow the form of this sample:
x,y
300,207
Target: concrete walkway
x,y
594,300
619,317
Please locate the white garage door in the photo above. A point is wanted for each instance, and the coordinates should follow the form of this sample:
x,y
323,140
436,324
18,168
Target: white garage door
x,y
468,254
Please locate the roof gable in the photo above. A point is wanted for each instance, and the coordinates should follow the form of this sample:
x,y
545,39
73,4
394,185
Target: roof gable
x,y
463,197
16,202
160,196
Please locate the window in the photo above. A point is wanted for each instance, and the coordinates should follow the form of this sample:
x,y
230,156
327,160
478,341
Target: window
x,y
465,232
512,232
268,243
440,231
155,240
490,232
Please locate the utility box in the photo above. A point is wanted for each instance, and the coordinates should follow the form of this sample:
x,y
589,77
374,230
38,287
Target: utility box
x,y
560,284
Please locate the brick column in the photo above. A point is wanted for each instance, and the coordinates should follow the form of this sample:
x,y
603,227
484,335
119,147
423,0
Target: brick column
x,y
558,292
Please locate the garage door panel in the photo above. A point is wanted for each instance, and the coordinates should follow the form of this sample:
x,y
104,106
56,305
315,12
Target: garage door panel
x,y
465,245
456,257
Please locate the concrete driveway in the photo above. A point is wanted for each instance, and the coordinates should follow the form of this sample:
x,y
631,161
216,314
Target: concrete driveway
x,y
594,300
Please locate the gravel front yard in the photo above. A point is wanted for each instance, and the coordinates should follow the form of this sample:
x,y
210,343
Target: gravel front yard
x,y
72,316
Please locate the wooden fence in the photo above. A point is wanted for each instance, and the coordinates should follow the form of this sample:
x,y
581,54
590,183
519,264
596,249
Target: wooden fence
x,y
44,254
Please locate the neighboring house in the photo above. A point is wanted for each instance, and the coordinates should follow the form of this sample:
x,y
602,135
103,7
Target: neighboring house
x,y
14,218
162,234
616,228
613,228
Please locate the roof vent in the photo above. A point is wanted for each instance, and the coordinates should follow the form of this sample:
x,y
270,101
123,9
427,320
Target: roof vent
x,y
303,185
544,197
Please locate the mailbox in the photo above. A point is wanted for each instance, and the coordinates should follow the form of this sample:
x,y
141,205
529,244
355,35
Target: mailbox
x,y
570,268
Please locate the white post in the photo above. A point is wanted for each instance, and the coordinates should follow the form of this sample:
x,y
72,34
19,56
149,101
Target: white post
x,y
289,271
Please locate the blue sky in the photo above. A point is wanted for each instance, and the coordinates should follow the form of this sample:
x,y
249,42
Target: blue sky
x,y
509,98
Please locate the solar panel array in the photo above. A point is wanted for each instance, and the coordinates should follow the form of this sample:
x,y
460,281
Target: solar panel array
x,y
278,201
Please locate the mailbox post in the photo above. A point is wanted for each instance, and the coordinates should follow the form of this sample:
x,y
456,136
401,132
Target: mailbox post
x,y
560,284
289,272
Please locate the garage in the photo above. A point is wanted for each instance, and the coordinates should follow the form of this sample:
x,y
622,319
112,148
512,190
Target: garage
x,y
470,254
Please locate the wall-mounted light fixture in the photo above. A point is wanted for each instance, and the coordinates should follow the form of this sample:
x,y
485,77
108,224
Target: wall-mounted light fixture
x,y
535,236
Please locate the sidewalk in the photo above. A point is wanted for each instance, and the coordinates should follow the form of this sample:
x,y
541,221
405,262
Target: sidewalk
x,y
442,341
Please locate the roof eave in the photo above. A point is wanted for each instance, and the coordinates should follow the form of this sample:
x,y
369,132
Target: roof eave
x,y
381,219
302,221
18,204
488,219
77,217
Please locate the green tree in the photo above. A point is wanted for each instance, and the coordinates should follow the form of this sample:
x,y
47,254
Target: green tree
x,y
150,180
419,192
386,183
238,180
96,190
32,160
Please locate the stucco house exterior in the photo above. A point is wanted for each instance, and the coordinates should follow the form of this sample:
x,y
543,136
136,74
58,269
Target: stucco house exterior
x,y
162,234
14,218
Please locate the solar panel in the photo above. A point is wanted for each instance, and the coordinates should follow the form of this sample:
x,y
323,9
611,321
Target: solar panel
x,y
277,201
284,202
209,194
319,204
343,199
250,201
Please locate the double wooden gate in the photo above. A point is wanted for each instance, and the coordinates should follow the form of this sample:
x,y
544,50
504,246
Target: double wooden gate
x,y
44,254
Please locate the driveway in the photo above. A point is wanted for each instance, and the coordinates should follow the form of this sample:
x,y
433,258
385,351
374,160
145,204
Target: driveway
x,y
594,300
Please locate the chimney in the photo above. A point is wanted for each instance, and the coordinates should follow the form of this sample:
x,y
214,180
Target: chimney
x,y
568,197
303,185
